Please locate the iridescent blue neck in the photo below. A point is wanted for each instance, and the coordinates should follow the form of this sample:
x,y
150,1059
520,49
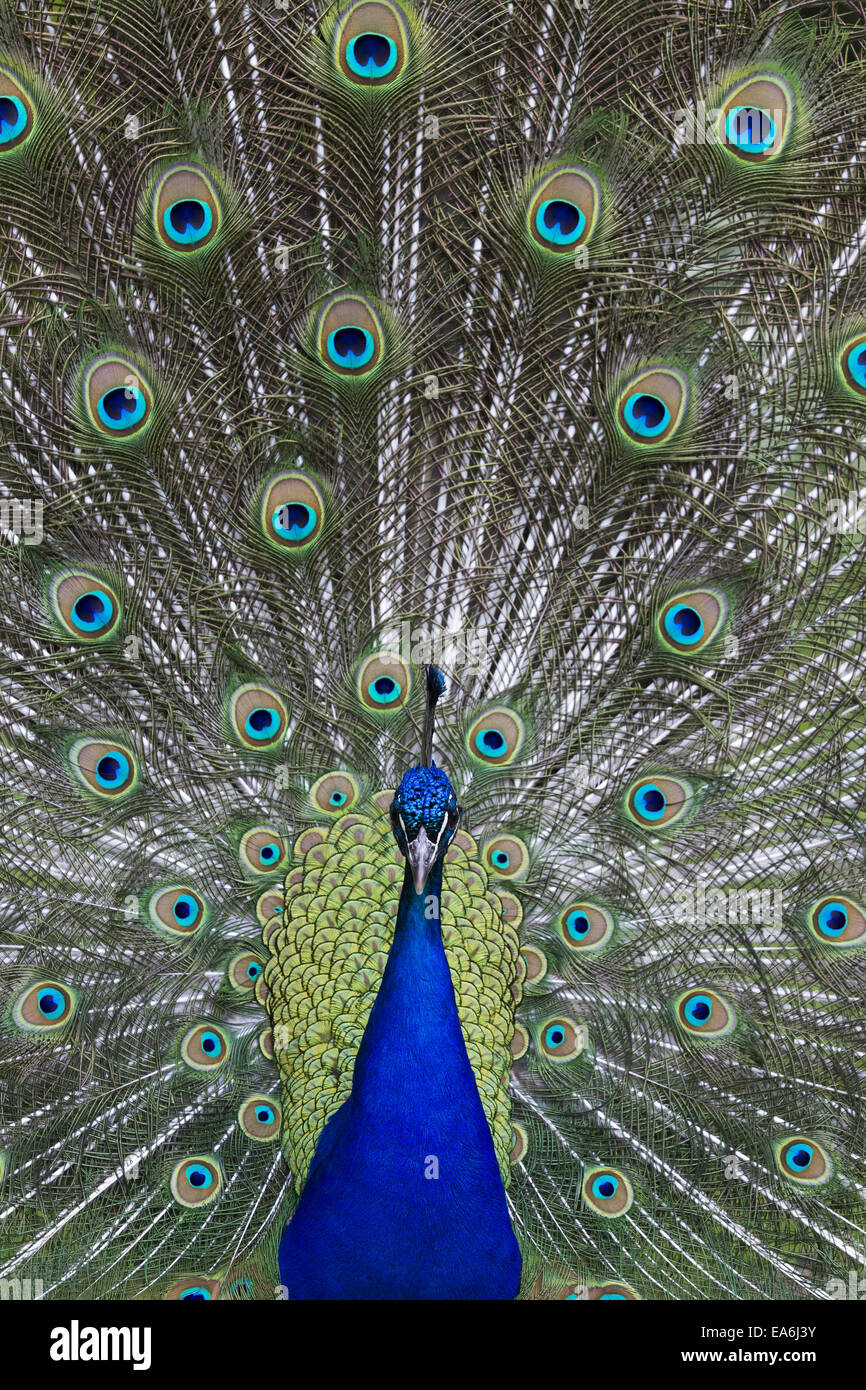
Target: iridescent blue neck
x,y
404,1197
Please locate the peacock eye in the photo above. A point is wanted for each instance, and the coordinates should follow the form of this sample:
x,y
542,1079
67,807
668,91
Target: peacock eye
x,y
17,116
259,1117
44,1006
186,209
108,769
506,856
689,621
560,1039
839,921
563,210
852,362
84,605
334,793
704,1013
179,910
262,850
205,1047
755,118
586,926
196,1181
383,683
804,1161
652,405
371,44
258,716
495,737
292,511
349,336
607,1191
196,1287
244,971
658,803
117,397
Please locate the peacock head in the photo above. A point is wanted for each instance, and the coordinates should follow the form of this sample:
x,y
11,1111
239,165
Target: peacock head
x,y
424,817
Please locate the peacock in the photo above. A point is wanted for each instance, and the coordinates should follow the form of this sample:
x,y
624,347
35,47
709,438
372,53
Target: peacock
x,y
431,495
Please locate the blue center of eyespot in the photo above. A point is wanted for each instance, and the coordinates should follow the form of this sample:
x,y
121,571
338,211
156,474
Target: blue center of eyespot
x,y
262,723
857,364
833,919
198,1176
92,611
254,970
384,690
577,925
651,802
560,222
265,1115
699,1009
211,1043
268,853
490,741
684,624
187,221
337,798
554,1037
610,1297
800,1157
500,858
646,415
350,347
121,407
294,521
13,118
604,1186
50,1002
371,55
185,907
750,129
112,770
197,1293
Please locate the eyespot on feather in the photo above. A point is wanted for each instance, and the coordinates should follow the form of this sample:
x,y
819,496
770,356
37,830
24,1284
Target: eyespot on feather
x,y
563,209
372,44
650,408
383,683
196,1181
755,118
292,512
17,113
560,1039
107,769
178,910
244,970
495,737
259,716
586,926
704,1013
117,398
335,793
506,856
84,605
205,1047
263,850
186,209
838,920
804,1161
689,621
607,1191
349,336
44,1006
658,803
260,1117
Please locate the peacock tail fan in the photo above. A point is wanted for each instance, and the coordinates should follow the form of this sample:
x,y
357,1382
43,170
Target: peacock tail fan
x,y
523,340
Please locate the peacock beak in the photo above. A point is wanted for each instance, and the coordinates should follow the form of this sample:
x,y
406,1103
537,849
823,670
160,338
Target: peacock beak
x,y
421,853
